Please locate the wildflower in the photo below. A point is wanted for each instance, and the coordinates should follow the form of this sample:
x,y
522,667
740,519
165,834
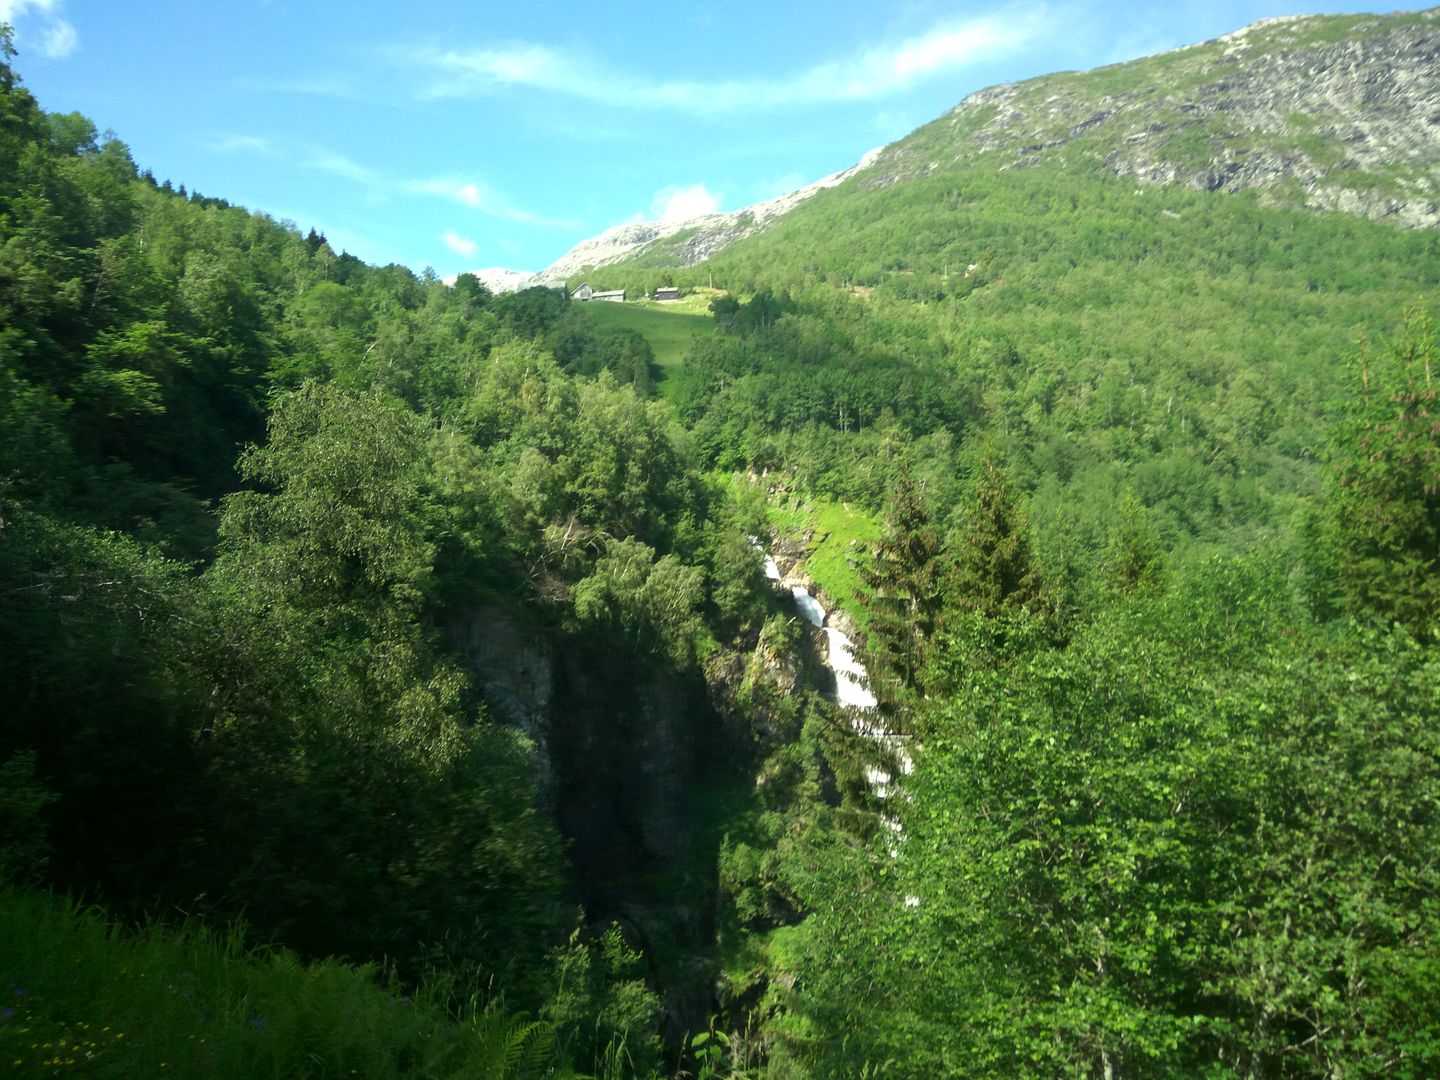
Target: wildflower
x,y
6,1013
18,991
259,1023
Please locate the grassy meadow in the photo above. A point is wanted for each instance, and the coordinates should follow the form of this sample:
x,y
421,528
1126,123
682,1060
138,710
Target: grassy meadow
x,y
668,328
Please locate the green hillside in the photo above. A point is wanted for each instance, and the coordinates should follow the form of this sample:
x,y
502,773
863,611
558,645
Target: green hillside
x,y
668,328
396,668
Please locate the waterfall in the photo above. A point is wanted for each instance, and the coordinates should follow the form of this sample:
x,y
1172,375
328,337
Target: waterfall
x,y
809,607
772,568
850,687
852,694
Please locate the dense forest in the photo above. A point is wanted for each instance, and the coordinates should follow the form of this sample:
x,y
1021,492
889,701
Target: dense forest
x,y
393,685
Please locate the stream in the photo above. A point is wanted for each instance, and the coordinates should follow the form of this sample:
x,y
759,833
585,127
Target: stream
x,y
853,695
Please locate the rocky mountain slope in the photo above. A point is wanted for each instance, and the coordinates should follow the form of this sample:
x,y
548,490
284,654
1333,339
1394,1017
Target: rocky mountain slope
x,y
695,239
1322,112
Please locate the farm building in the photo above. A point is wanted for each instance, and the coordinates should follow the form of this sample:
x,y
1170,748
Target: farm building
x,y
666,293
583,291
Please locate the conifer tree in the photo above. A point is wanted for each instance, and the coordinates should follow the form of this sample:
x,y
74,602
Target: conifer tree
x,y
905,597
1135,558
995,572
1384,512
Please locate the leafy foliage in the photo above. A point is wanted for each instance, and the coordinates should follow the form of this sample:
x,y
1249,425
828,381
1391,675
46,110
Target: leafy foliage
x,y
258,499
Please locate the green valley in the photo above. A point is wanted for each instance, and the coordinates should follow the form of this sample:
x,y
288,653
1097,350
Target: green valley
x,y
988,627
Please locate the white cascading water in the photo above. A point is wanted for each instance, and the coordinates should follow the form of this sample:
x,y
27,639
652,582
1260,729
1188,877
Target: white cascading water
x,y
852,693
850,689
809,607
772,569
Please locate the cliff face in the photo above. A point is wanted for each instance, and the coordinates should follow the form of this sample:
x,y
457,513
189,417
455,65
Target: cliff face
x,y
1322,112
620,742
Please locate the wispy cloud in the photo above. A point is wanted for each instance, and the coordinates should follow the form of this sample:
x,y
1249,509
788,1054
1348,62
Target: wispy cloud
x,y
303,155
376,185
484,199
56,37
237,144
322,160
461,245
60,40
872,73
328,86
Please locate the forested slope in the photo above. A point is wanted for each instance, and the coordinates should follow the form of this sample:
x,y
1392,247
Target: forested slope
x,y
405,624
1156,614
253,494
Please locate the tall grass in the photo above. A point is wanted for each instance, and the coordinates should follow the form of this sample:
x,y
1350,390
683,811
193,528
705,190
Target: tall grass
x,y
83,996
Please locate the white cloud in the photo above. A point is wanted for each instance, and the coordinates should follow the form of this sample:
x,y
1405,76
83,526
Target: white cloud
x,y
468,194
872,73
303,155
379,187
10,10
459,244
60,40
55,35
323,160
484,199
673,204
237,144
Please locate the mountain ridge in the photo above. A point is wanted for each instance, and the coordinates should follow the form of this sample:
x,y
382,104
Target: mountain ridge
x,y
1321,112
1328,113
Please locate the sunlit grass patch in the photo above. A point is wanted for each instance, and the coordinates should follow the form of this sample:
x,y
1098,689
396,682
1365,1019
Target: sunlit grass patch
x,y
668,328
843,535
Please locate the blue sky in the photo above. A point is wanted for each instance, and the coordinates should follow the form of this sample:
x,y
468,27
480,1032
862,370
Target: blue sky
x,y
467,135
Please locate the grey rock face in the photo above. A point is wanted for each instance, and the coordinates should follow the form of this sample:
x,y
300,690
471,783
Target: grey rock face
x,y
513,667
1325,113
699,237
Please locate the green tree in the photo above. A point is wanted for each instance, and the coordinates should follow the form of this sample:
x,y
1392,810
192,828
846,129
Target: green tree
x,y
1134,558
904,598
995,573
1384,500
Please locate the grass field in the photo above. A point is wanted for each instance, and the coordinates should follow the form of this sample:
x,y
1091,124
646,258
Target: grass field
x,y
843,535
667,327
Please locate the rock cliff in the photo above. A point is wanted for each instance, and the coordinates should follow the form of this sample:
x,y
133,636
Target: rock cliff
x,y
1325,112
